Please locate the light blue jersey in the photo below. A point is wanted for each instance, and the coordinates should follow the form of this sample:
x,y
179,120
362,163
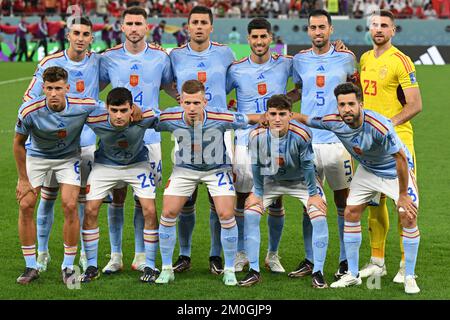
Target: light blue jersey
x,y
209,67
372,144
83,80
119,147
142,74
201,148
288,158
255,84
54,135
317,76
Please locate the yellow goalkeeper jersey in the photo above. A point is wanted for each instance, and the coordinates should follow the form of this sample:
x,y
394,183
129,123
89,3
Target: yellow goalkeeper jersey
x,y
382,81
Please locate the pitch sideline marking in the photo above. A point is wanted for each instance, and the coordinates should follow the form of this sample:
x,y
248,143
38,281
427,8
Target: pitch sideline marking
x,y
14,80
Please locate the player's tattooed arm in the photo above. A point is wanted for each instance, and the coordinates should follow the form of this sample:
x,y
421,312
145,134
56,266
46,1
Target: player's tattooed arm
x,y
257,119
295,94
299,117
171,90
412,107
23,183
405,204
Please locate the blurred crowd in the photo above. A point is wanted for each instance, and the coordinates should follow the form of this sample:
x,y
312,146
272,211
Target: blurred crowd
x,y
282,9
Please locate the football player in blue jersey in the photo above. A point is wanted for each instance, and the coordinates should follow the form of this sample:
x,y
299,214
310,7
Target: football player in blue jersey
x,y
121,158
385,166
83,69
206,61
199,131
54,123
283,164
143,69
316,73
256,78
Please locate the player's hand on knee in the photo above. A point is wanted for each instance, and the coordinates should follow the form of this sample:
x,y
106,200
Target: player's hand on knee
x,y
22,189
405,205
318,202
252,201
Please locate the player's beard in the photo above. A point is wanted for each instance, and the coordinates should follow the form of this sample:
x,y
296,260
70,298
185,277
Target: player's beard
x,y
354,119
262,53
136,39
320,44
380,42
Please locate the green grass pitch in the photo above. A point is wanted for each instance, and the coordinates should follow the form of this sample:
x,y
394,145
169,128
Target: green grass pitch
x,y
431,140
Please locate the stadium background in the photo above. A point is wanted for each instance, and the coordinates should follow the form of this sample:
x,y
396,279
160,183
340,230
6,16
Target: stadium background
x,y
427,41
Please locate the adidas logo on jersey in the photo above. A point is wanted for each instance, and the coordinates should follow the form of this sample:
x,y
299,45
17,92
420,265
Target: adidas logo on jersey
x,y
321,68
201,65
261,76
134,67
79,74
61,125
432,56
355,140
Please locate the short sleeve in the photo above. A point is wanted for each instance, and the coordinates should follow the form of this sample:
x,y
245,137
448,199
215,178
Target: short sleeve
x,y
406,72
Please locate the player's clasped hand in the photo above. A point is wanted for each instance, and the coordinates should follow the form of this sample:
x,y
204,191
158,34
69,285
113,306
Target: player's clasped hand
x,y
406,205
252,201
22,189
136,116
317,202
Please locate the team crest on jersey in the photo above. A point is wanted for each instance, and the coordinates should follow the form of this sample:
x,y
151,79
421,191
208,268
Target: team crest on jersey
x,y
357,150
383,72
134,80
320,80
201,76
80,85
262,88
61,134
123,144
280,161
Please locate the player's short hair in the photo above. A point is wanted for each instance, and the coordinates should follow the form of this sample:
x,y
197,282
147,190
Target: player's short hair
x,y
384,13
348,88
54,74
136,11
119,96
78,20
259,23
320,12
279,102
201,10
192,87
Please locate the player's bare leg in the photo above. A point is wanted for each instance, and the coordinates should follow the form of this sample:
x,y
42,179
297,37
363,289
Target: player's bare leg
x,y
167,235
151,239
229,234
27,236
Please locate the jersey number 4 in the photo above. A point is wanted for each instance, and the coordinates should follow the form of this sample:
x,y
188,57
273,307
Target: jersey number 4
x,y
370,87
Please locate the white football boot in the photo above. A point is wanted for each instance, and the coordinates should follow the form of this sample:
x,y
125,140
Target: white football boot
x,y
114,265
273,263
347,280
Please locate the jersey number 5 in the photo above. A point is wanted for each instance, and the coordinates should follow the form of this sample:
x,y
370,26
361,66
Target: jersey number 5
x,y
370,87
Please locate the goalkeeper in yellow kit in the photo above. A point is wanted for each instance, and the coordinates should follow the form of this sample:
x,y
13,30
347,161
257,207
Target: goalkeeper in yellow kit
x,y
388,81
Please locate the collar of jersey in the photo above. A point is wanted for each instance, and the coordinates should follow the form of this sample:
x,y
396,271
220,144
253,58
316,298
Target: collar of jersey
x,y
329,52
75,62
134,55
201,52
257,64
